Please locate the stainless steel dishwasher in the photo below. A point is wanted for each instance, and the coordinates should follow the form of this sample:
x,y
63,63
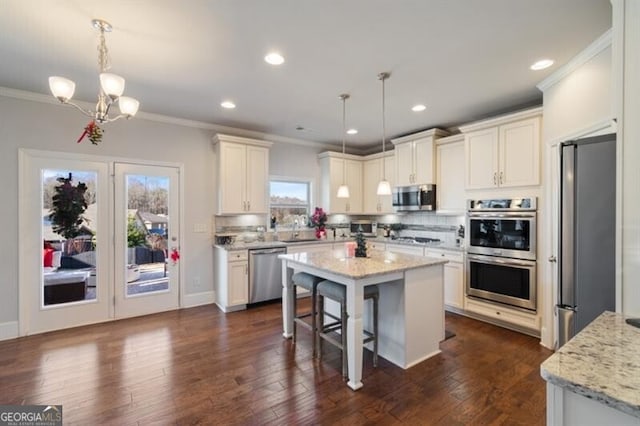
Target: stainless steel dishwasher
x,y
265,274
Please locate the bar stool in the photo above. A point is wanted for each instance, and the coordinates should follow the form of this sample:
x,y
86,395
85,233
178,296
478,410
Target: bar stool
x,y
308,282
338,292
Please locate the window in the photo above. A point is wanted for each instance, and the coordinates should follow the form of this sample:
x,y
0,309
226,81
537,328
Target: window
x,y
289,201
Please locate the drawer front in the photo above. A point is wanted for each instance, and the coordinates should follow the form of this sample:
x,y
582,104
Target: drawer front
x,y
237,255
398,248
443,254
530,321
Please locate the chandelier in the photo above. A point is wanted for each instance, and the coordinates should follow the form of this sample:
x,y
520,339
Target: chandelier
x,y
111,87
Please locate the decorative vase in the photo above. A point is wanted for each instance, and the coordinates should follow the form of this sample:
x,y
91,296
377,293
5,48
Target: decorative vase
x,y
320,232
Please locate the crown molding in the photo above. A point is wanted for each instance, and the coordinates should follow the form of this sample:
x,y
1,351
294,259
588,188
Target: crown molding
x,y
435,133
600,44
159,118
502,119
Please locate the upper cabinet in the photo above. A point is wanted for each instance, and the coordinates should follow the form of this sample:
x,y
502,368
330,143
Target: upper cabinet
x,y
337,169
243,175
450,194
503,151
415,157
372,174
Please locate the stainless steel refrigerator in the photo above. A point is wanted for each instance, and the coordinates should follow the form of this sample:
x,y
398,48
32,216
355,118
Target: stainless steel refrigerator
x,y
586,284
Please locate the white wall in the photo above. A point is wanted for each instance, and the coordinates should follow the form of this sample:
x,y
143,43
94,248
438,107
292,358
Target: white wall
x,y
581,99
35,125
626,25
298,161
577,101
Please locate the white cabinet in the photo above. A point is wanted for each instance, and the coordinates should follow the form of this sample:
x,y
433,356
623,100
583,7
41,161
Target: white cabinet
x,y
450,192
337,169
453,277
504,315
504,151
243,175
232,278
415,157
372,174
405,249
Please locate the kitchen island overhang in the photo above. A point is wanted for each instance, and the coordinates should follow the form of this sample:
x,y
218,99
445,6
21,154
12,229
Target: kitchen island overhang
x,y
411,307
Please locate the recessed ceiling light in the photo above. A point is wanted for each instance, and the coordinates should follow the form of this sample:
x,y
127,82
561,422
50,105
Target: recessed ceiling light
x,y
352,131
418,108
542,64
274,58
228,105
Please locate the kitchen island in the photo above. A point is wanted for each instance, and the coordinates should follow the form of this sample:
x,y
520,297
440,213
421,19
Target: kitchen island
x,y
594,379
411,307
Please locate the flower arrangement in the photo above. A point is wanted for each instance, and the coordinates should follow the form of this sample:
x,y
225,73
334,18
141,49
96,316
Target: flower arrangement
x,y
318,219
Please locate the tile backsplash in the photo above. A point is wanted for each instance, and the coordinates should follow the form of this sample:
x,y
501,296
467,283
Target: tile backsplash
x,y
417,224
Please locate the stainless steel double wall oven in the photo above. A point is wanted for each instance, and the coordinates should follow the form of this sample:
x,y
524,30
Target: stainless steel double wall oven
x,y
501,259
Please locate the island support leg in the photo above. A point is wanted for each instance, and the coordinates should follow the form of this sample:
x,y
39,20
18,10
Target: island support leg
x,y
287,301
355,294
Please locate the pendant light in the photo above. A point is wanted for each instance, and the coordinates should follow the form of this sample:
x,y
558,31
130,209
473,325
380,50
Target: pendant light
x,y
343,190
384,187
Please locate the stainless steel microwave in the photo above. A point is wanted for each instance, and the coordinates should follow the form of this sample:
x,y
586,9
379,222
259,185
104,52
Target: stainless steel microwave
x,y
367,227
414,198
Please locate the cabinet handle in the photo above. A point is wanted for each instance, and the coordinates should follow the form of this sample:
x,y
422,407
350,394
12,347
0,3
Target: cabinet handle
x,y
495,178
553,259
248,206
501,177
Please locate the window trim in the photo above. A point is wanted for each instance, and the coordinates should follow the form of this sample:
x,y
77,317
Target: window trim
x,y
296,179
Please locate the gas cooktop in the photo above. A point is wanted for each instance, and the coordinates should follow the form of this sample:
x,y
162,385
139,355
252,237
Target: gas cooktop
x,y
416,240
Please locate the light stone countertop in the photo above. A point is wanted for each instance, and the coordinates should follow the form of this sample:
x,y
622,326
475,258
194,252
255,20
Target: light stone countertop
x,y
269,244
377,263
602,363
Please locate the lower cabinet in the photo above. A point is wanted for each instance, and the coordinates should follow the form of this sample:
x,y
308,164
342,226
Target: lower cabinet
x,y
232,279
523,321
453,278
399,248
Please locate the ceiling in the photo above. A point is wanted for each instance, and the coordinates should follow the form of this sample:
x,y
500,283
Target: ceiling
x,y
464,59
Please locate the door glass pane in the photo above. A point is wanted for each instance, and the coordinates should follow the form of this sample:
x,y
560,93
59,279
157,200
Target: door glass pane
x,y
69,224
147,230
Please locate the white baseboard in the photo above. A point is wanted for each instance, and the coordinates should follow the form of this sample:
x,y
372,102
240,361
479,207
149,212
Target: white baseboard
x,y
9,330
197,299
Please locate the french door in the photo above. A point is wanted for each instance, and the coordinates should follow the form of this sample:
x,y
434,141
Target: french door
x,y
65,262
98,240
147,239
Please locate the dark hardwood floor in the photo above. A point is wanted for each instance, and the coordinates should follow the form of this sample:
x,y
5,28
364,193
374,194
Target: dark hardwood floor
x,y
200,366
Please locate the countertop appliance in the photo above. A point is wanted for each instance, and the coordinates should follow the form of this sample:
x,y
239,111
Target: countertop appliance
x,y
369,228
265,274
586,268
414,198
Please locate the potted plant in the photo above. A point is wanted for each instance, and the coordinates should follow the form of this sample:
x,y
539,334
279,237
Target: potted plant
x,y
318,220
